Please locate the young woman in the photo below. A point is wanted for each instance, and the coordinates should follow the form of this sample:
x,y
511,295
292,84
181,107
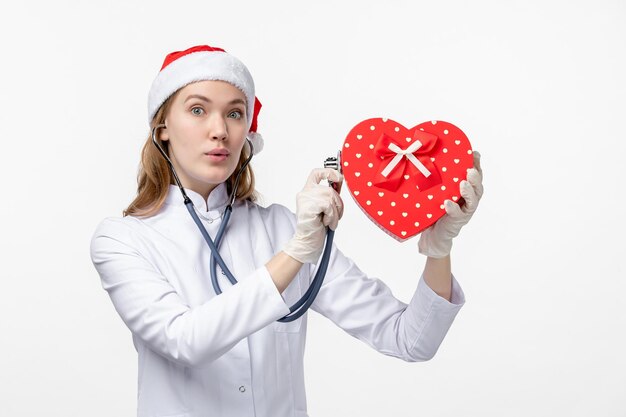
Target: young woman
x,y
207,352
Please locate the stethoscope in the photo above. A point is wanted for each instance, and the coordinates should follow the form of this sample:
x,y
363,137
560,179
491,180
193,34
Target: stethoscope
x,y
302,305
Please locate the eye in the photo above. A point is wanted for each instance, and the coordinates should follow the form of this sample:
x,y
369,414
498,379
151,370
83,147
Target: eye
x,y
236,114
195,112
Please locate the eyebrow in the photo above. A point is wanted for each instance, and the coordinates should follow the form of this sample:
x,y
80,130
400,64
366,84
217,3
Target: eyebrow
x,y
203,98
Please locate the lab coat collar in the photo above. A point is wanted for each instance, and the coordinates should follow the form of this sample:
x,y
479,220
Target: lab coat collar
x,y
218,198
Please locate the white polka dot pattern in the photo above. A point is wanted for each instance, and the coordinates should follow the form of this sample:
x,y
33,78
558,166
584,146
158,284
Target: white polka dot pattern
x,y
406,211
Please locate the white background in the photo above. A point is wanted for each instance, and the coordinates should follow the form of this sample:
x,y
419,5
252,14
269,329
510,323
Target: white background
x,y
538,87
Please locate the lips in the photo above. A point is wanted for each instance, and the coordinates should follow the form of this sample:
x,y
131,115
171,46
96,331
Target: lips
x,y
218,151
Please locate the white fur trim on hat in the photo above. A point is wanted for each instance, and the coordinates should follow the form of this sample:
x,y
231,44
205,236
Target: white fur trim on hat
x,y
257,142
200,66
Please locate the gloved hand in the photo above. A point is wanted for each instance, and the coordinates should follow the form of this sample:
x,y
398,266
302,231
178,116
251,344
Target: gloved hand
x,y
317,206
436,241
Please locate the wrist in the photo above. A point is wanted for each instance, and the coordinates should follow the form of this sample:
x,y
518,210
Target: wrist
x,y
302,250
434,247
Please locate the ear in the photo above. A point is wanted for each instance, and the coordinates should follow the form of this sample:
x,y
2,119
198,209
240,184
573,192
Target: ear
x,y
163,134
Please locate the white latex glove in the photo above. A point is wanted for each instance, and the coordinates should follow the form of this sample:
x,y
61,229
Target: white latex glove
x,y
317,206
436,241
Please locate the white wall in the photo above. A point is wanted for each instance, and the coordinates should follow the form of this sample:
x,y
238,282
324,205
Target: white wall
x,y
538,86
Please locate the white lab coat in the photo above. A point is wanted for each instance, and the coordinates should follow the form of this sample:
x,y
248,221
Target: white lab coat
x,y
206,355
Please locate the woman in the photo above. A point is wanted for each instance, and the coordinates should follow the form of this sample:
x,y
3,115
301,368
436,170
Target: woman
x,y
201,353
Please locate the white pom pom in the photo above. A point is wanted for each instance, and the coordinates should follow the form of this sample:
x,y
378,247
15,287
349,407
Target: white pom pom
x,y
257,141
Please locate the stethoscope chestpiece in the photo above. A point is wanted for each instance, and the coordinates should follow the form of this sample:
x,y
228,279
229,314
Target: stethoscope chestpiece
x,y
334,162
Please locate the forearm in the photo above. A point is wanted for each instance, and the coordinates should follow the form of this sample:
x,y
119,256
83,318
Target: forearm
x,y
438,276
283,268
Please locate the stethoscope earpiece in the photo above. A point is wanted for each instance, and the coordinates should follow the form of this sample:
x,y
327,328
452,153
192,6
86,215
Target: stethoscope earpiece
x,y
156,143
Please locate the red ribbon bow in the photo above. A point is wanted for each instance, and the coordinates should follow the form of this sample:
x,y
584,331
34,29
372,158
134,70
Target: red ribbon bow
x,y
414,161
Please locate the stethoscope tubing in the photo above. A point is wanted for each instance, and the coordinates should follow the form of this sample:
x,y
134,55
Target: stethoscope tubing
x,y
303,304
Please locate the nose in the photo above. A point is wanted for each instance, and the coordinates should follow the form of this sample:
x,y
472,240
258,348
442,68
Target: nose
x,y
217,128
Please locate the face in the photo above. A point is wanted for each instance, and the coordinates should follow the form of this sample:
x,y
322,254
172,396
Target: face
x,y
206,128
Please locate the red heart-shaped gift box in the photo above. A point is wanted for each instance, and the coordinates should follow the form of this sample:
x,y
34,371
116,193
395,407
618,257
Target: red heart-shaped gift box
x,y
400,177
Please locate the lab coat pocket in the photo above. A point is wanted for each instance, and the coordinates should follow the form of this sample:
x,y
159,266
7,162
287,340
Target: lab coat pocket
x,y
291,295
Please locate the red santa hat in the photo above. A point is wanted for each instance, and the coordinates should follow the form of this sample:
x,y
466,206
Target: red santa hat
x,y
200,63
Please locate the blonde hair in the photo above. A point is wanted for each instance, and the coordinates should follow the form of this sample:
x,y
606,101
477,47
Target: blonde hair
x,y
154,176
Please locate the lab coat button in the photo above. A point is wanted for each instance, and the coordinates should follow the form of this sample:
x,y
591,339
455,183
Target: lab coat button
x,y
242,389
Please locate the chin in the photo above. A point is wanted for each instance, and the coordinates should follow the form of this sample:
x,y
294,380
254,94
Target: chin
x,y
214,178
